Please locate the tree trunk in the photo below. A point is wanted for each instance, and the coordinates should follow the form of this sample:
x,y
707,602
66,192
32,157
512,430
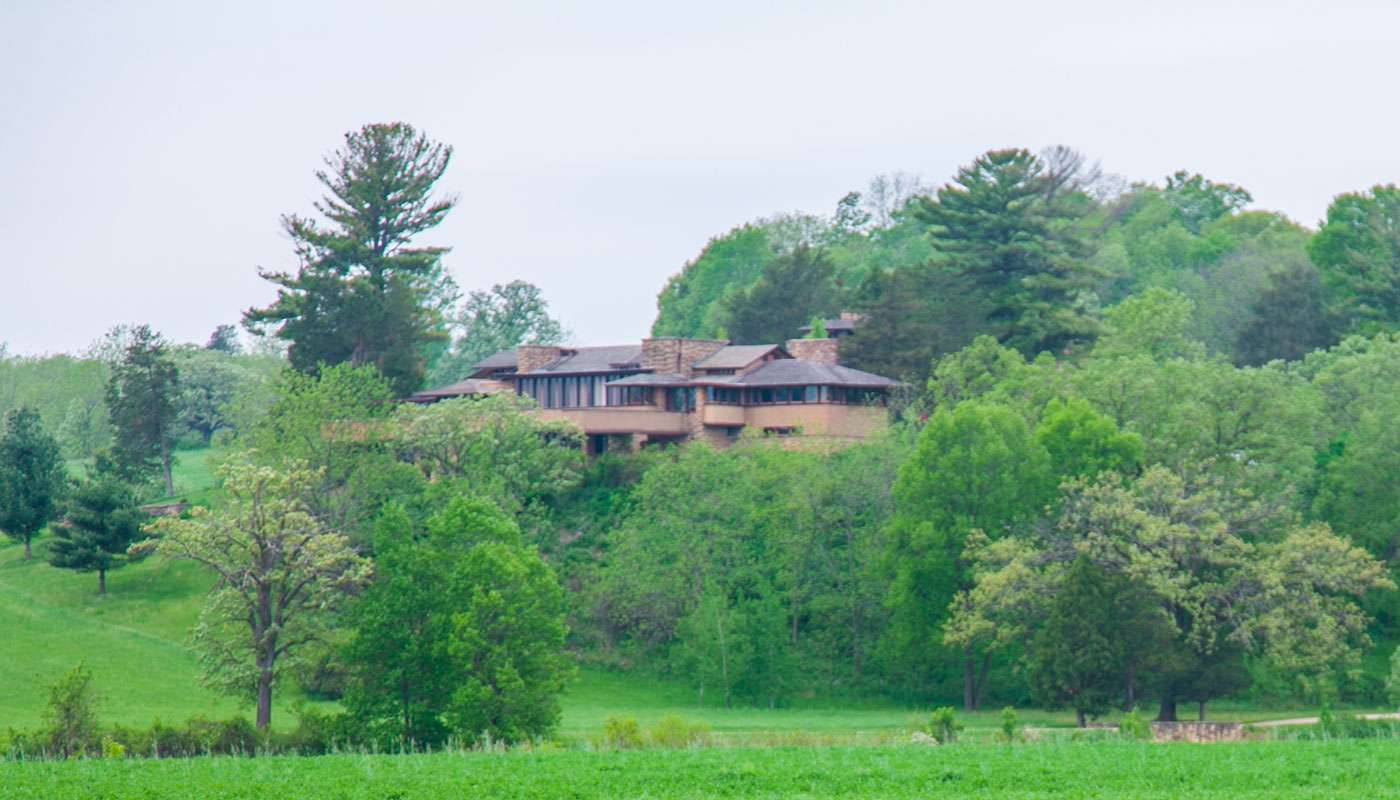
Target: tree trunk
x,y
208,434
1201,711
165,463
1166,712
101,582
855,644
981,682
264,716
967,686
1079,717
403,695
723,661
1132,701
26,548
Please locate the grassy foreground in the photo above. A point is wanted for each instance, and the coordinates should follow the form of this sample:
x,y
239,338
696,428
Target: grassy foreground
x,y
1354,769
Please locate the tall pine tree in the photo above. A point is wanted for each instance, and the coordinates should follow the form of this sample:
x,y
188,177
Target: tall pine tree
x,y
1016,241
141,402
363,294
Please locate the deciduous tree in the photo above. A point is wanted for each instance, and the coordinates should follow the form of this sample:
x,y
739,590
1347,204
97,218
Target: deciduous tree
x,y
1358,251
1225,569
975,467
281,576
495,320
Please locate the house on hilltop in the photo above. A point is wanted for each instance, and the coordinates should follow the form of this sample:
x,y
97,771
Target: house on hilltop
x,y
671,389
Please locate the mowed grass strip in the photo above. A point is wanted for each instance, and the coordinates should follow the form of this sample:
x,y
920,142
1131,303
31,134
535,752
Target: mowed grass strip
x,y
1354,769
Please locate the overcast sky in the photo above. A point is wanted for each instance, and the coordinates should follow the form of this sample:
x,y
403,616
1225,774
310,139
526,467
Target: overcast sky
x,y
147,150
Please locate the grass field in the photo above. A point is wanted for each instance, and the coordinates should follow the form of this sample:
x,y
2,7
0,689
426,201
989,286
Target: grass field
x,y
1353,769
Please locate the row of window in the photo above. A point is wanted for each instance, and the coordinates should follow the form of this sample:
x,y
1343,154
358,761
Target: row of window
x,y
569,391
591,391
841,395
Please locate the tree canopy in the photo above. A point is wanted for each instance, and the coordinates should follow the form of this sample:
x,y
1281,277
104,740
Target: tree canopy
x,y
363,293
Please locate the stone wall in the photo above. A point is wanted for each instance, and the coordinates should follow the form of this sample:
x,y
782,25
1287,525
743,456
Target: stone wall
x,y
530,357
817,351
675,356
1197,731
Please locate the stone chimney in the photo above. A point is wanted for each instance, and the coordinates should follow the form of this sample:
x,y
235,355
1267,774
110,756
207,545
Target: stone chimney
x,y
530,357
817,351
672,355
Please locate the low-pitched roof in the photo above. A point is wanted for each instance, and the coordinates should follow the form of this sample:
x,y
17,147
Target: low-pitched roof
x,y
594,359
735,356
830,325
505,359
648,379
461,388
796,372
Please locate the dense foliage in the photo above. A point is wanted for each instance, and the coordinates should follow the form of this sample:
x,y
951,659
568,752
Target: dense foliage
x,y
1146,396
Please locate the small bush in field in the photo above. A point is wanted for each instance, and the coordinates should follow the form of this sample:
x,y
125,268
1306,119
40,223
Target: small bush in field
x,y
676,733
1010,727
70,715
622,733
1135,727
943,726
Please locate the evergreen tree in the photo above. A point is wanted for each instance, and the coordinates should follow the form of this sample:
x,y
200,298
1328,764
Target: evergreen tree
x,y
362,294
141,401
792,289
32,477
103,521
1076,660
913,314
1288,320
1016,242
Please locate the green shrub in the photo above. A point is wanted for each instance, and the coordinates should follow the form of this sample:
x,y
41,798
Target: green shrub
x,y
943,726
70,716
1010,727
676,733
1135,727
622,733
112,749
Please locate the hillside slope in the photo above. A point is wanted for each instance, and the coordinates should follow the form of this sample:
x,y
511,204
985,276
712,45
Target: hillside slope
x,y
133,639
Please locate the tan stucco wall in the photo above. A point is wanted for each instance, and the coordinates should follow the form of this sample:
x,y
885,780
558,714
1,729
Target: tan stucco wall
x,y
819,419
631,419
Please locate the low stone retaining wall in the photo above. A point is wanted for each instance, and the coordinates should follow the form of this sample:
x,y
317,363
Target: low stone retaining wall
x,y
1197,731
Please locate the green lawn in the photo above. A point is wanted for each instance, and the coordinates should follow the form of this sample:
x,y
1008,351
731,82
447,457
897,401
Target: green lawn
x,y
133,639
1352,769
597,695
192,473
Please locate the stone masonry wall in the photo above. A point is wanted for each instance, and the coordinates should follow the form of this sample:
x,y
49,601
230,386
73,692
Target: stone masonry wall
x,y
530,357
1199,732
674,356
817,351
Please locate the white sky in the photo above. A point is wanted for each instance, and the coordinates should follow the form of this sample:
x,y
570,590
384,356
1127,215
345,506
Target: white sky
x,y
147,150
